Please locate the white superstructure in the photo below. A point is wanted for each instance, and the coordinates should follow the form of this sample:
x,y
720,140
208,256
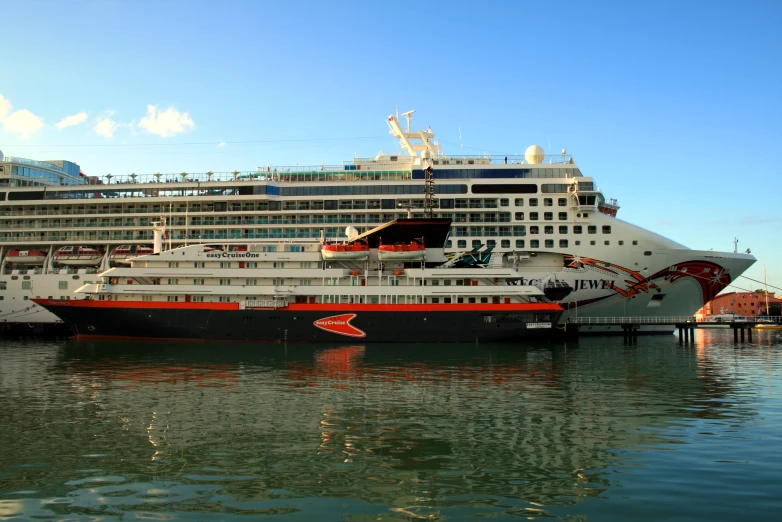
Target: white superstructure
x,y
551,222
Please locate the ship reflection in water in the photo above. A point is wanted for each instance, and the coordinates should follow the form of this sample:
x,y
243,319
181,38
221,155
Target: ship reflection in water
x,y
236,431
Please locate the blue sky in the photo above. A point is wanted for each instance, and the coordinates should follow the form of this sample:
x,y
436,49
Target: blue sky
x,y
673,107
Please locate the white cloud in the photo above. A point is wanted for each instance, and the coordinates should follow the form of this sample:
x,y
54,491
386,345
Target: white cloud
x,y
167,123
106,127
221,144
70,121
5,106
22,122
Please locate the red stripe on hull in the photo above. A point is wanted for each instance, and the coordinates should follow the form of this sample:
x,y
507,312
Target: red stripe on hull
x,y
488,307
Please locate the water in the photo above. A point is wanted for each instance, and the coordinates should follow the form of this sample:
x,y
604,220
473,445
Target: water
x,y
595,430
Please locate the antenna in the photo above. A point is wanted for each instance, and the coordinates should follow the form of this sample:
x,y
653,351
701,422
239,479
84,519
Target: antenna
x,y
460,139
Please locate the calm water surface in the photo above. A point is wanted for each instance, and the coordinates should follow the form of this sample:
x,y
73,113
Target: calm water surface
x,y
595,430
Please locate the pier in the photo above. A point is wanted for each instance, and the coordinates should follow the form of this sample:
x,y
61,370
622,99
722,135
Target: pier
x,y
685,324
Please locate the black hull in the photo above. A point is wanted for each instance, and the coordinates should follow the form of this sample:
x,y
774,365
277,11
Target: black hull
x,y
299,326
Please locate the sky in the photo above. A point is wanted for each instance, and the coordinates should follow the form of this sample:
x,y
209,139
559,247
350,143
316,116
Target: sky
x,y
673,107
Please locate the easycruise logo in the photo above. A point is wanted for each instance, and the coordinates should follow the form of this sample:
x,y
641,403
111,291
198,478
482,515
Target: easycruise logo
x,y
240,255
340,324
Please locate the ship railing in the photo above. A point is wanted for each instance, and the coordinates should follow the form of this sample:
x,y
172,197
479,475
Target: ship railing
x,y
501,159
34,163
662,320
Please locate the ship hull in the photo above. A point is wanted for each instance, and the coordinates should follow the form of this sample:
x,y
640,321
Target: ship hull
x,y
367,323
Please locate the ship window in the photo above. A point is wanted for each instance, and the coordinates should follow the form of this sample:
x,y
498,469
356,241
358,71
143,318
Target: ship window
x,y
621,242
606,229
173,264
447,300
435,282
505,243
447,282
448,244
563,243
462,243
592,242
491,243
476,243
586,214
75,277
548,202
471,300
27,278
198,281
534,243
563,216
648,253
173,281
533,216
635,242
519,216
62,285
548,216
519,243
224,282
549,243
435,300
2,285
460,300
534,230
14,278
504,202
562,202
578,242
592,229
606,242
563,229
26,285
548,229
577,229
533,202
519,202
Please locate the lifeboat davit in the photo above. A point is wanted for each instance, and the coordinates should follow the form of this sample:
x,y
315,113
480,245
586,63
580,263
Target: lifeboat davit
x,y
123,254
78,256
337,251
26,257
412,251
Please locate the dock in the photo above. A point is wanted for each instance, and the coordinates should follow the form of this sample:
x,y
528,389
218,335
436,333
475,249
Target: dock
x,y
685,324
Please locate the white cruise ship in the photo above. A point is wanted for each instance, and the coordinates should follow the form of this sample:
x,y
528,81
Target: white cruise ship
x,y
59,228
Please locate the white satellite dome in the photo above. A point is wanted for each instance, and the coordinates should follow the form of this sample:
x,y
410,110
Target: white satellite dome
x,y
534,154
1,156
351,231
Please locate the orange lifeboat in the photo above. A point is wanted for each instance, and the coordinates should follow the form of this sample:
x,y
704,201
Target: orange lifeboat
x,y
123,254
78,256
352,250
26,257
412,251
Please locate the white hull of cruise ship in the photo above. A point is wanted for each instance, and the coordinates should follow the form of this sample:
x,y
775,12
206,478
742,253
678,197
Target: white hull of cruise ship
x,y
548,219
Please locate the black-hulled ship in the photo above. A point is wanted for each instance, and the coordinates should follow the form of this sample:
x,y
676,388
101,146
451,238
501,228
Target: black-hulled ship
x,y
296,290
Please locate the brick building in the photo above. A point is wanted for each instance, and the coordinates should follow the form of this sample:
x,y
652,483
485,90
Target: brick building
x,y
749,304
